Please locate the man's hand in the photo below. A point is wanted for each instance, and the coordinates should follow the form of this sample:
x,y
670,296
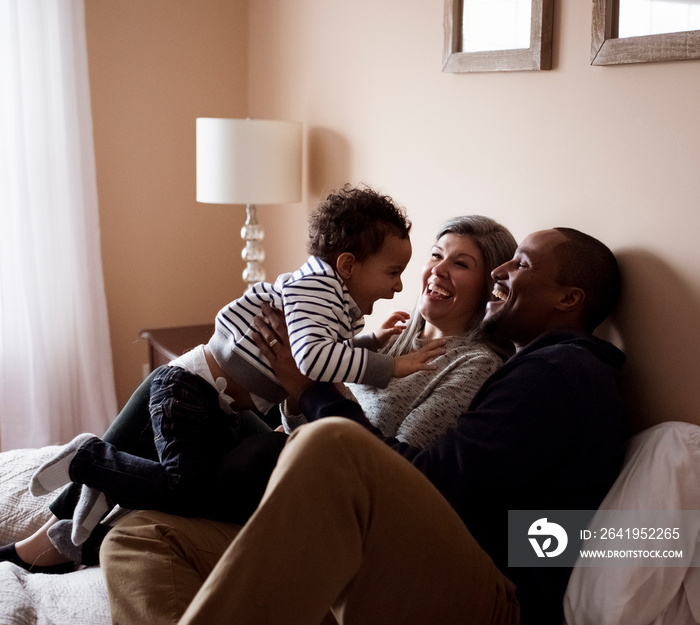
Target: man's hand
x,y
394,325
273,341
419,360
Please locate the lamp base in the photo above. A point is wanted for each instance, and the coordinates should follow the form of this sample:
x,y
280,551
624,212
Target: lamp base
x,y
253,252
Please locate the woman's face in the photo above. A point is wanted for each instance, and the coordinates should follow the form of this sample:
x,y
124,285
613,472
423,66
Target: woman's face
x,y
454,285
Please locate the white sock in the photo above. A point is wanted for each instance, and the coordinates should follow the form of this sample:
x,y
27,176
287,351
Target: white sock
x,y
91,507
54,473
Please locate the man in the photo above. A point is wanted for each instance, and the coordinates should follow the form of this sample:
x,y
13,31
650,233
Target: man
x,y
348,522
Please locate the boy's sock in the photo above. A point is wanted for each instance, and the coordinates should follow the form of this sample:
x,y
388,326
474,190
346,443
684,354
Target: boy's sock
x,y
60,536
92,506
54,473
88,553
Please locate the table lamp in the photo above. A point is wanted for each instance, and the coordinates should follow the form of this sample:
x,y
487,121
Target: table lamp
x,y
248,161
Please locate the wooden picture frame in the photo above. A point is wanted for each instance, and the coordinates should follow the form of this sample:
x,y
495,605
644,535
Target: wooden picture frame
x,y
608,49
537,57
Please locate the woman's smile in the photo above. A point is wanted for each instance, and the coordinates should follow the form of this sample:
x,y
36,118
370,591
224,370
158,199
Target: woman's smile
x,y
453,285
438,291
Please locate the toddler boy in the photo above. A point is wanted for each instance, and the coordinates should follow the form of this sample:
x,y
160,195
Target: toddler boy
x,y
359,245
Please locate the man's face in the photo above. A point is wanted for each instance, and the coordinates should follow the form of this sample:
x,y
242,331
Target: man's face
x,y
526,290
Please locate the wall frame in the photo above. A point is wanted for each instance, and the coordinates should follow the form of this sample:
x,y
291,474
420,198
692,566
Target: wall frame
x,y
608,49
537,57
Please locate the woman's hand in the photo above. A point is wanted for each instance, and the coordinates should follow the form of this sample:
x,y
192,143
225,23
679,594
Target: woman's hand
x,y
420,359
394,325
273,341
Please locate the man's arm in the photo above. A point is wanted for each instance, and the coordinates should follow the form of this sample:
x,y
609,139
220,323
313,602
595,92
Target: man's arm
x,y
521,421
518,426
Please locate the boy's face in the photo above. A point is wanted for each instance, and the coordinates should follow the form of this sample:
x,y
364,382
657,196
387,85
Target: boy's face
x,y
379,276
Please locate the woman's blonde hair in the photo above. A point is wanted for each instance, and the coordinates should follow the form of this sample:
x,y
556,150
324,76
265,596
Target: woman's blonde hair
x,y
497,246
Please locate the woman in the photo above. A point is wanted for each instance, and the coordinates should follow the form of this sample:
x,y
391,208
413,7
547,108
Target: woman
x,y
456,286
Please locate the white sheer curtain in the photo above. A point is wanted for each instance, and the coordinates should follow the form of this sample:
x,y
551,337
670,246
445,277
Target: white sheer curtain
x,y
56,376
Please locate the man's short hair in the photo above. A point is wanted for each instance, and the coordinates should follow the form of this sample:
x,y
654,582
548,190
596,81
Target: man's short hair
x,y
587,263
355,220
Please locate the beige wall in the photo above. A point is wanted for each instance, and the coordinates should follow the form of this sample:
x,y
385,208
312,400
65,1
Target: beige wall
x,y
610,150
614,151
155,66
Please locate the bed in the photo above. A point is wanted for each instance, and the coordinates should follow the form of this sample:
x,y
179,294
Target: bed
x,y
78,598
661,471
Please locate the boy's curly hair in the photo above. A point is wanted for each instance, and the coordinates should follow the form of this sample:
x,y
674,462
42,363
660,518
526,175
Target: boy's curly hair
x,y
355,220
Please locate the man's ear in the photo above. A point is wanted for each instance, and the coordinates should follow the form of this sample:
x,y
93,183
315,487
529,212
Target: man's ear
x,y
344,264
572,298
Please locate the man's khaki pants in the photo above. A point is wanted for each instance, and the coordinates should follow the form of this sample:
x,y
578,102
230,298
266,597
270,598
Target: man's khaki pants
x,y
345,522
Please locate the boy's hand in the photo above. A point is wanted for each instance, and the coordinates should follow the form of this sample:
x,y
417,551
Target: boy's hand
x,y
419,360
394,325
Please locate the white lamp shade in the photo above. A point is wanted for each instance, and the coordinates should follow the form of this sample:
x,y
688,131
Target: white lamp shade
x,y
248,161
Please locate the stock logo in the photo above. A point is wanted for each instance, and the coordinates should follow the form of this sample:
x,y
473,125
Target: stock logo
x,y
540,535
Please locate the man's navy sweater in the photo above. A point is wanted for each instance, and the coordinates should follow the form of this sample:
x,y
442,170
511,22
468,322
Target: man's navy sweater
x,y
544,432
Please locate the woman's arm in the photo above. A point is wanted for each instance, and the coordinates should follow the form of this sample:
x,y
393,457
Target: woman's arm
x,y
272,339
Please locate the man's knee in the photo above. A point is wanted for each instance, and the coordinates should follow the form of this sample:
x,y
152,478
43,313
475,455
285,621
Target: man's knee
x,y
333,437
336,449
330,431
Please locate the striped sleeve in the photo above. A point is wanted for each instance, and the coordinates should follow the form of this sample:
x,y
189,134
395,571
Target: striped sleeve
x,y
321,328
237,317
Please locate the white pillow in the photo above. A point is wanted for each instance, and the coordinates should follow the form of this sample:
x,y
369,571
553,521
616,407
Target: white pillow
x,y
21,514
661,472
